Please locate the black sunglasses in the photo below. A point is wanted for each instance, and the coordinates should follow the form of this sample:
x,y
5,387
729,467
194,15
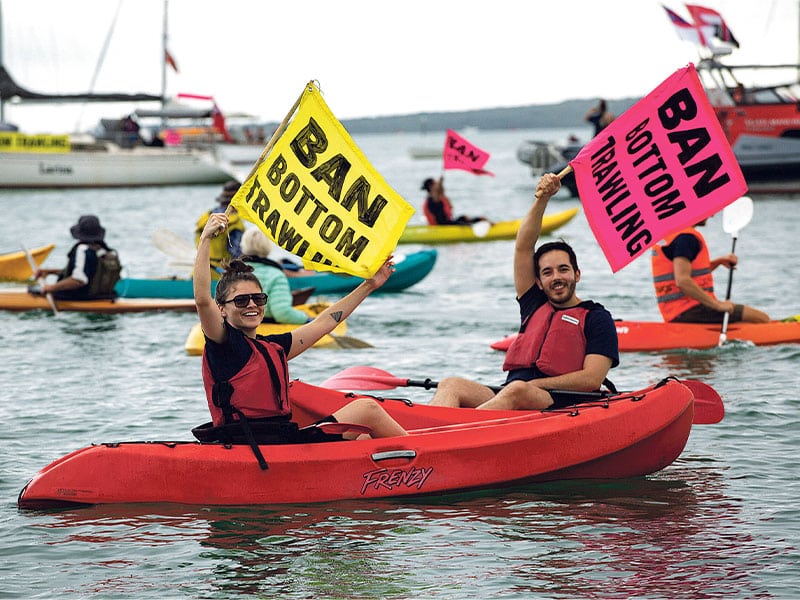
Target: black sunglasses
x,y
242,300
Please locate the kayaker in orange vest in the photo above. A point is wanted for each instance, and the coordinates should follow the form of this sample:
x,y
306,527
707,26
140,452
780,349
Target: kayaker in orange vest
x,y
564,343
684,284
437,207
246,375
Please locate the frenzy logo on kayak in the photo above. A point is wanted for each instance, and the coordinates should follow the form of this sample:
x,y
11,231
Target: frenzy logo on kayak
x,y
622,330
390,479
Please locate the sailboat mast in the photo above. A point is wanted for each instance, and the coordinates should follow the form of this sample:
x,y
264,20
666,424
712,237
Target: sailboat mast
x,y
2,100
164,41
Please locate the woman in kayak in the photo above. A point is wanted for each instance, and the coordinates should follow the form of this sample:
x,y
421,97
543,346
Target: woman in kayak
x,y
437,207
246,375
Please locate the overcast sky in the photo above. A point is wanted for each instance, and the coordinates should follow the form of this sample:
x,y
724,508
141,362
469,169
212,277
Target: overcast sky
x,y
371,57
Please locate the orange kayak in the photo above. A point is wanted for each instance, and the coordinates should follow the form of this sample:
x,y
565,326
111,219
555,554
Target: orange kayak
x,y
631,436
643,336
18,299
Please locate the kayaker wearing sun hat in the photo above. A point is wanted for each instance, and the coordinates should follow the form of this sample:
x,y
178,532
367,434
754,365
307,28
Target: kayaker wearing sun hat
x,y
80,279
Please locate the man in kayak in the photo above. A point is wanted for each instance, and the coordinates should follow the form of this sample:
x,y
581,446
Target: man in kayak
x,y
684,284
224,246
437,207
563,343
246,375
92,267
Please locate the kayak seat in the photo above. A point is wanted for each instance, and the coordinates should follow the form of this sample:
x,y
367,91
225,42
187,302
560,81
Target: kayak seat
x,y
271,432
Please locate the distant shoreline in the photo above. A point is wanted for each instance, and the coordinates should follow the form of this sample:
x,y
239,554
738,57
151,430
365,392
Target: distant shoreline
x,y
567,114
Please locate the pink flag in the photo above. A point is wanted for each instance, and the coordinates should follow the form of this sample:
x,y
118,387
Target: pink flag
x,y
460,154
661,166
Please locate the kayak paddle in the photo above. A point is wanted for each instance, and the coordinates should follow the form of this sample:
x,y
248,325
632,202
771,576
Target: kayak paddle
x,y
708,407
481,228
34,268
177,248
349,343
735,217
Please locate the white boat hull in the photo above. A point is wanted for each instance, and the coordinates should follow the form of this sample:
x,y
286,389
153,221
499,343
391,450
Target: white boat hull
x,y
112,167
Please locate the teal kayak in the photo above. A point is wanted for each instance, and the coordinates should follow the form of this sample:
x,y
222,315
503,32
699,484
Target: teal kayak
x,y
409,269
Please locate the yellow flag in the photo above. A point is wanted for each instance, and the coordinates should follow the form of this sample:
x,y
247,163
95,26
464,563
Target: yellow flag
x,y
317,196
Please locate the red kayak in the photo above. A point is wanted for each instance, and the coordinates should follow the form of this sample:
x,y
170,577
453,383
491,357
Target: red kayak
x,y
626,436
641,336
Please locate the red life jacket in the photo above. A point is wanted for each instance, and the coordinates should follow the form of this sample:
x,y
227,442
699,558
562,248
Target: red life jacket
x,y
447,208
552,340
255,391
671,300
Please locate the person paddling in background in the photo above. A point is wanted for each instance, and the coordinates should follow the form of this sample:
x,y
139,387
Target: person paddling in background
x,y
684,284
249,373
437,207
564,342
256,248
599,116
84,277
224,246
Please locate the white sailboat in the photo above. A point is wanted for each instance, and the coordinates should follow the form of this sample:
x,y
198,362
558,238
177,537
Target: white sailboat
x,y
77,161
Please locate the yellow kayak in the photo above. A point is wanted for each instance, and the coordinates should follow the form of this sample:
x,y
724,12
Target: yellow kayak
x,y
477,232
196,341
14,266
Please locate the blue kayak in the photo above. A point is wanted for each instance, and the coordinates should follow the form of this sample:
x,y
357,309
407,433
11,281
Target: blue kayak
x,y
409,269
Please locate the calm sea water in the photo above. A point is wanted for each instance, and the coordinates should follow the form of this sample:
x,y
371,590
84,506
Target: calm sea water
x,y
722,521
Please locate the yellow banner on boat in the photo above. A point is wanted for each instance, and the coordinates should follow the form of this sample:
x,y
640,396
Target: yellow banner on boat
x,y
317,196
11,141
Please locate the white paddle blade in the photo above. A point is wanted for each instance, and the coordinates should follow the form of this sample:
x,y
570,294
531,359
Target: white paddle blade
x,y
737,215
481,228
174,246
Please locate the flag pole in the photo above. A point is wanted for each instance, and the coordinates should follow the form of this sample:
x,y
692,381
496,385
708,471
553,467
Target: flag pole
x,y
275,136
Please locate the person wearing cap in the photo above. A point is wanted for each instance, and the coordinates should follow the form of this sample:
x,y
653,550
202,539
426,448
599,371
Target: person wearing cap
x,y
226,246
83,261
437,207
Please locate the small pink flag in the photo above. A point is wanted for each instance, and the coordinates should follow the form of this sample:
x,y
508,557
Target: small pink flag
x,y
461,154
661,166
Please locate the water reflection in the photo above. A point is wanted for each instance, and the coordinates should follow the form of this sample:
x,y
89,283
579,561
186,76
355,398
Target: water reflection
x,y
696,364
677,534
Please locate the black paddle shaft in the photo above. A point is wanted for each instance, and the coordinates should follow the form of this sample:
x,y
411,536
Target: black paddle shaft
x,y
560,397
730,272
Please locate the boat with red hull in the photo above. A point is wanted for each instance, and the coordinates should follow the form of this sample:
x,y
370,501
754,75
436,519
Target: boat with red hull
x,y
761,122
643,336
627,436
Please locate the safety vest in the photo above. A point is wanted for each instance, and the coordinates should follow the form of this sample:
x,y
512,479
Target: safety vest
x,y
671,300
218,248
552,340
446,208
255,392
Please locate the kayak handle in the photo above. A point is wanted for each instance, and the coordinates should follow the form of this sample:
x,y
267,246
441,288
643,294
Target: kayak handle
x,y
378,456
